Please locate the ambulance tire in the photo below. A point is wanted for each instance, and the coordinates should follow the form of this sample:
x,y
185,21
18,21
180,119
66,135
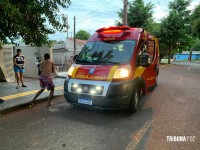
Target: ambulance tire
x,y
134,101
141,91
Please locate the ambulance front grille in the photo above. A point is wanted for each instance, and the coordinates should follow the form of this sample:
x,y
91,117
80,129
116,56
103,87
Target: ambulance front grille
x,y
87,89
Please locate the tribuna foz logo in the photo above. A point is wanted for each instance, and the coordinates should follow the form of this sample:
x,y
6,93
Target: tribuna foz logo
x,y
180,138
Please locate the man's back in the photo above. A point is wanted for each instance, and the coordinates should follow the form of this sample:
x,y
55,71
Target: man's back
x,y
47,67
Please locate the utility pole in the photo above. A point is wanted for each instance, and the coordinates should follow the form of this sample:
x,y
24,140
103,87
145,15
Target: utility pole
x,y
125,13
74,35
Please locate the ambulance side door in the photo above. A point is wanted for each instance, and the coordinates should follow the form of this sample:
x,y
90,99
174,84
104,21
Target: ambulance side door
x,y
152,69
149,73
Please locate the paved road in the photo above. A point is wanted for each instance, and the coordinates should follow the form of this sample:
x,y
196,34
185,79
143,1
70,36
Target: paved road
x,y
172,109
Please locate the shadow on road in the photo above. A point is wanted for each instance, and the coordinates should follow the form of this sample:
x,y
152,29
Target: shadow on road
x,y
117,122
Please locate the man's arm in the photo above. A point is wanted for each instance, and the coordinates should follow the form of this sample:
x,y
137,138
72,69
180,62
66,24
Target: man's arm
x,y
53,67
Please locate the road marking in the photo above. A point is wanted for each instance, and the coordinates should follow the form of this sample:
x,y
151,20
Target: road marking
x,y
180,80
26,94
189,68
139,135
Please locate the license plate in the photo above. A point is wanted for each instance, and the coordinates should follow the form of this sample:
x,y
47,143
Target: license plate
x,y
85,101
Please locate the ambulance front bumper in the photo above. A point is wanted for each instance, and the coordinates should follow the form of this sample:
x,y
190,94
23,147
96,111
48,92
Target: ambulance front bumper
x,y
114,95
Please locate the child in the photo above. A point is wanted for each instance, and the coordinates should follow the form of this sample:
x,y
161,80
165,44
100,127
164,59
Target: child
x,y
46,68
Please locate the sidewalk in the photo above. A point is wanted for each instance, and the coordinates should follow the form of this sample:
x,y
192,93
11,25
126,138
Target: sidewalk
x,y
14,98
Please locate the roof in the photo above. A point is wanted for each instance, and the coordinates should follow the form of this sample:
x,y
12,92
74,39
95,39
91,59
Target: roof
x,y
59,47
78,41
188,52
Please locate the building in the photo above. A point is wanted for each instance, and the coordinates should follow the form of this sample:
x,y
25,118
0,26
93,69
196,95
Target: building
x,y
185,55
63,53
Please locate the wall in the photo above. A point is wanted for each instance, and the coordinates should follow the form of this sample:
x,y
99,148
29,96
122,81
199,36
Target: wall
x,y
30,58
6,64
185,56
62,59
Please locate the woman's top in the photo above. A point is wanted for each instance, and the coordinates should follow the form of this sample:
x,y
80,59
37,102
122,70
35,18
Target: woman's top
x,y
19,59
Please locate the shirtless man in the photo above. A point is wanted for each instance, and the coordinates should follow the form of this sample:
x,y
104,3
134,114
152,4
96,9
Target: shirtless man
x,y
47,67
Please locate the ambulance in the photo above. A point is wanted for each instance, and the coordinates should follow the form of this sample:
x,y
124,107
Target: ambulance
x,y
115,67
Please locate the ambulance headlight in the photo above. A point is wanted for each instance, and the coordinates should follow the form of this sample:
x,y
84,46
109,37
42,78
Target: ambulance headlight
x,y
92,92
79,90
122,72
71,69
74,85
98,88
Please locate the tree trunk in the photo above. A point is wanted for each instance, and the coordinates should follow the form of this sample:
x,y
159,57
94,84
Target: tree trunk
x,y
190,55
169,55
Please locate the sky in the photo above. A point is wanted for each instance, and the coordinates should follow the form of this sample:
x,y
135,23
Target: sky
x,y
93,14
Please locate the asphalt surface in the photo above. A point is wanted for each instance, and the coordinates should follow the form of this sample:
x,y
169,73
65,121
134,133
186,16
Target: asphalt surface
x,y
172,109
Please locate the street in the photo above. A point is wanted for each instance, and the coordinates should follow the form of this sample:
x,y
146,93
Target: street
x,y
172,109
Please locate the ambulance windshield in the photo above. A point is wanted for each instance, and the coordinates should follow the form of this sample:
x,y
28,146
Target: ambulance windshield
x,y
111,52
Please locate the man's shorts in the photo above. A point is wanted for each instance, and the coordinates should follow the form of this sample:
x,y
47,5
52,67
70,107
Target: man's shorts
x,y
18,69
46,82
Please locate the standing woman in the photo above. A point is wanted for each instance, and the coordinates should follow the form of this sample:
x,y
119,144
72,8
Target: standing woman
x,y
19,63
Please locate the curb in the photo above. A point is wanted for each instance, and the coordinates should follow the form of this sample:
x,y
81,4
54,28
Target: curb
x,y
22,105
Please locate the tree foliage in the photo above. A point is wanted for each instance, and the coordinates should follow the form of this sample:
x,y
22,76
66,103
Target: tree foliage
x,y
57,42
82,35
195,21
174,29
196,46
32,20
139,14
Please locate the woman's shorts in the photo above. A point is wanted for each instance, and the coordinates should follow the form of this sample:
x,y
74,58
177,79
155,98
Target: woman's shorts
x,y
18,69
46,82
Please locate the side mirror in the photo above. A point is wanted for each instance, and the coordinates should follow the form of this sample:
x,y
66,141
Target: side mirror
x,y
75,56
144,60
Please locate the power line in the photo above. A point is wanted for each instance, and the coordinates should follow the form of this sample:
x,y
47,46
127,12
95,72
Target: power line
x,y
96,14
85,16
95,9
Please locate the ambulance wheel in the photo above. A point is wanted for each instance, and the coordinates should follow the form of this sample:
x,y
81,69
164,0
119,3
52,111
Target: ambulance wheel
x,y
134,101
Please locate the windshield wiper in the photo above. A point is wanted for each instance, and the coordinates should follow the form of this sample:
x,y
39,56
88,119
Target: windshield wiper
x,y
82,61
87,62
107,62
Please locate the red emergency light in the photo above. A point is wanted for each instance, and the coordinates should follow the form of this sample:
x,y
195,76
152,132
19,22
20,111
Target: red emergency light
x,y
113,29
113,33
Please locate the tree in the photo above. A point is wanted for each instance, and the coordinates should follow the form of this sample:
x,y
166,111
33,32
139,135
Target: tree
x,y
195,21
61,42
174,29
54,42
196,46
82,35
28,19
139,14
